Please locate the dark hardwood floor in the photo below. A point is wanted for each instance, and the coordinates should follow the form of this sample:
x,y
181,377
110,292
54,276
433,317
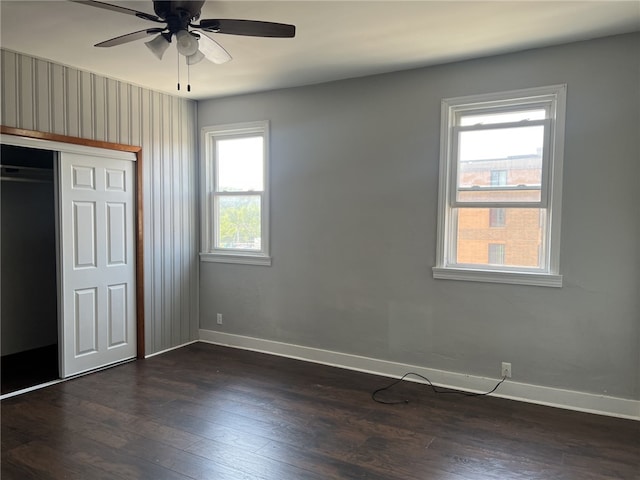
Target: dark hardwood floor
x,y
209,412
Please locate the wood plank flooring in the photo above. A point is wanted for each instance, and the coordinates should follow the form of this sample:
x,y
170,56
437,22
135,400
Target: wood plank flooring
x,y
209,412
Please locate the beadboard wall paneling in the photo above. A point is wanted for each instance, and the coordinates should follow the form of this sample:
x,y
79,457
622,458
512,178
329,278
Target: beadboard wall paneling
x,y
47,97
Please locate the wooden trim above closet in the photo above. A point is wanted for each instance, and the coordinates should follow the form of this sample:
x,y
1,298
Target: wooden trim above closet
x,y
54,137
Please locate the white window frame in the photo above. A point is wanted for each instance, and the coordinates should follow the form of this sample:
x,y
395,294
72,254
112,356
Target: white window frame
x,y
208,172
553,98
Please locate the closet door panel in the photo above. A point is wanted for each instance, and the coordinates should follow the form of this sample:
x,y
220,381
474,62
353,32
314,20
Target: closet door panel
x,y
96,203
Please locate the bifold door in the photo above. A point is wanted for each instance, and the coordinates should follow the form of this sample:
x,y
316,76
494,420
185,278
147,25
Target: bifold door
x,y
96,204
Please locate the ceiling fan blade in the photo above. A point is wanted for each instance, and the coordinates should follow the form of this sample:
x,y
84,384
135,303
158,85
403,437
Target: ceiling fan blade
x,y
117,8
251,28
129,37
212,50
195,58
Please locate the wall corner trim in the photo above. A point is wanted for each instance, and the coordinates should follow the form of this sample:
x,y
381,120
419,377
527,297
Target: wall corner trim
x,y
537,394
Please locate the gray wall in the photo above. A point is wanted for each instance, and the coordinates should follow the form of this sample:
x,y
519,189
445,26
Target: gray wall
x,y
44,96
354,173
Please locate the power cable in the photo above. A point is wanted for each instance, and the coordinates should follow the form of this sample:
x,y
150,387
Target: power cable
x,y
433,387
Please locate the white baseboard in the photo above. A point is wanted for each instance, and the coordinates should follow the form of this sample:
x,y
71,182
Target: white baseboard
x,y
169,349
554,397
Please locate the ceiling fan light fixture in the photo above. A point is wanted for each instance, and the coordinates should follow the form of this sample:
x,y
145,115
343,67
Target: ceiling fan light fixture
x,y
158,46
187,44
193,45
195,58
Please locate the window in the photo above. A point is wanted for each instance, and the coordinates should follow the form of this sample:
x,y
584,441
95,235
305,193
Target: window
x,y
497,217
501,166
496,254
235,200
498,178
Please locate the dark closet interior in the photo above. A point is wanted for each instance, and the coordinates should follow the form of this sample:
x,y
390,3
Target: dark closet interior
x,y
29,312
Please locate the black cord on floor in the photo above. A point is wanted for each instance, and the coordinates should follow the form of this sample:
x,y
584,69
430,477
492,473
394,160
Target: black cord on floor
x,y
433,387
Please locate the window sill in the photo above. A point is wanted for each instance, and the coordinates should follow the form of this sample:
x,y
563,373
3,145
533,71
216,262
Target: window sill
x,y
491,276
241,259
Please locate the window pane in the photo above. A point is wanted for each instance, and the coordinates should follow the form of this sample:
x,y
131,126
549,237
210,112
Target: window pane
x,y
498,178
496,253
239,222
517,243
240,164
503,117
500,165
497,217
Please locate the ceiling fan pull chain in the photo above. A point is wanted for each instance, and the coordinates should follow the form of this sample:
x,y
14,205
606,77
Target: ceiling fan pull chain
x,y
178,58
188,78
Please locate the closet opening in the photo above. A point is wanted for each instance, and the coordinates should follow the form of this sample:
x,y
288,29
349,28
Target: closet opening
x,y
29,307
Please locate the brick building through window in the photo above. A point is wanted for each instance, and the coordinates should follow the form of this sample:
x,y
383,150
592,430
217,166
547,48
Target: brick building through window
x,y
514,235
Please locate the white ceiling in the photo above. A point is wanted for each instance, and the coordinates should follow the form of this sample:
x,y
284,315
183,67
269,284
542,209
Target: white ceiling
x,y
334,40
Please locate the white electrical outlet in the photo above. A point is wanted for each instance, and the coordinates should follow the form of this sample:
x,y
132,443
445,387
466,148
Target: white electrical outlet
x,y
506,369
219,321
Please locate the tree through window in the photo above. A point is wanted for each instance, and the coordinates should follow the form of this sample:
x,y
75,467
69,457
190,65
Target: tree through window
x,y
235,213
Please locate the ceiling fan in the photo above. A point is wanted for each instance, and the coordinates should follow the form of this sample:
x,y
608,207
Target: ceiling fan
x,y
191,39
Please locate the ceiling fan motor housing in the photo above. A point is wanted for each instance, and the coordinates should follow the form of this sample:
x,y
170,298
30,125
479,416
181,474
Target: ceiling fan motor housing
x,y
178,14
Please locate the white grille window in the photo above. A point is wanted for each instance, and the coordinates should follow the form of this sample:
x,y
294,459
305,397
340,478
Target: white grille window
x,y
501,165
235,201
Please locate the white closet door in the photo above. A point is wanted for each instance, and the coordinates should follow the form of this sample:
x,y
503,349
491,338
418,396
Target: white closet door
x,y
96,205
